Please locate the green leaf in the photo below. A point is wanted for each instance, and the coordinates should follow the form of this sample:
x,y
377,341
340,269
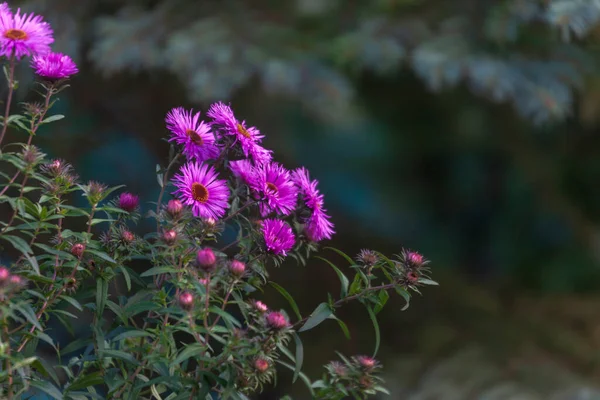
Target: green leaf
x,y
376,327
72,301
17,243
321,313
356,284
47,388
121,355
192,350
75,345
341,253
158,271
53,118
288,297
343,279
29,314
131,334
299,357
101,295
225,315
33,262
382,299
102,255
302,376
126,276
87,380
425,281
159,176
405,295
342,325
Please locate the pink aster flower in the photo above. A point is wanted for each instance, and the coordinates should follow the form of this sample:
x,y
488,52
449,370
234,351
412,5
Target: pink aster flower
x,y
248,137
195,136
276,320
23,34
243,169
54,66
128,201
318,226
198,187
278,236
276,188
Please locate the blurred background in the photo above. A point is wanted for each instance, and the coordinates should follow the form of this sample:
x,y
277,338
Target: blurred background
x,y
464,129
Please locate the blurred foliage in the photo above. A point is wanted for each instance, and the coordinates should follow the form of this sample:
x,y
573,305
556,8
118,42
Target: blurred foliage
x,y
466,129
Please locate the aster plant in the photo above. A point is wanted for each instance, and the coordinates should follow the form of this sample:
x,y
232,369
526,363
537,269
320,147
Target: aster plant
x,y
188,323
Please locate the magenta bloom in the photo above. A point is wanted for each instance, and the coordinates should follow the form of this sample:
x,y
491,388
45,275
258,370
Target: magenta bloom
x,y
248,137
276,320
23,34
128,201
198,187
276,188
195,136
54,66
278,236
243,169
318,226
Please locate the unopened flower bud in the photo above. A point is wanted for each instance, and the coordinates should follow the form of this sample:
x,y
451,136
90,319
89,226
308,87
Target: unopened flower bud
x,y
128,202
210,222
366,362
16,280
127,236
94,191
367,257
276,320
260,306
174,208
169,236
77,249
261,365
206,259
186,300
71,285
4,275
203,281
415,259
237,268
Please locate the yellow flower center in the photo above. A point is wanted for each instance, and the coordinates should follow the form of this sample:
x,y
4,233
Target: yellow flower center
x,y
194,137
15,34
199,192
243,131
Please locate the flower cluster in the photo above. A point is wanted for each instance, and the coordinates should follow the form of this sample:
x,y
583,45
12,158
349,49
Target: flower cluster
x,y
354,377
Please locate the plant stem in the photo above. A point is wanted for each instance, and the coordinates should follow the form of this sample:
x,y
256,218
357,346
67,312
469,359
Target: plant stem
x,y
12,180
164,184
11,88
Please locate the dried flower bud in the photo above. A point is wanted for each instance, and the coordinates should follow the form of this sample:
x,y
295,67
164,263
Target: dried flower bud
x,y
77,249
260,306
261,365
414,258
174,208
276,320
206,259
31,155
365,382
186,300
94,191
338,368
169,237
4,275
128,202
71,285
367,257
237,268
412,277
127,236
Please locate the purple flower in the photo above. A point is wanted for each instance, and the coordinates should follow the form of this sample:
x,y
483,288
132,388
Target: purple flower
x,y
23,34
198,187
276,320
278,236
197,139
243,169
54,66
128,201
275,186
248,137
318,226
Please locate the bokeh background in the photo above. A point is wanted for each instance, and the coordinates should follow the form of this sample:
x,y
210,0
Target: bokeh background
x,y
464,129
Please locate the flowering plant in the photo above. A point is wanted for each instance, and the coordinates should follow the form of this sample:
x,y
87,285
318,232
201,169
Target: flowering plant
x,y
190,324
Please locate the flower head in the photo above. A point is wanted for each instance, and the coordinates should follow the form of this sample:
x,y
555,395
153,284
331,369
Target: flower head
x,y
128,201
195,136
276,320
77,249
54,66
169,236
318,225
278,191
243,169
414,258
127,236
4,274
260,306
174,208
199,188
248,137
278,236
237,268
23,34
366,362
367,257
261,365
186,300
